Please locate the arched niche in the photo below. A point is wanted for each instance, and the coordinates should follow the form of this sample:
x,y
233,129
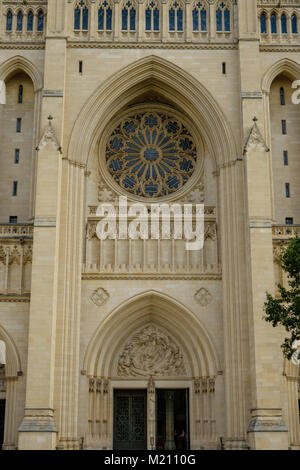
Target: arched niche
x,y
121,355
10,70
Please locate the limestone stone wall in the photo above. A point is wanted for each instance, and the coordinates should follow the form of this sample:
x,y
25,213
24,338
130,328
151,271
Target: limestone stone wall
x,y
10,171
282,174
88,299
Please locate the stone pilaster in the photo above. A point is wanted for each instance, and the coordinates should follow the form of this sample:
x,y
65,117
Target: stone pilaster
x,y
267,429
38,420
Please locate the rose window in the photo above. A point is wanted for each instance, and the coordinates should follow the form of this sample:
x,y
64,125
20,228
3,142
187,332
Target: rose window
x,y
151,154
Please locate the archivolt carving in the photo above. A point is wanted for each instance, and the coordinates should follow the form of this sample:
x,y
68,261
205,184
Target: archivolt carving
x,y
151,352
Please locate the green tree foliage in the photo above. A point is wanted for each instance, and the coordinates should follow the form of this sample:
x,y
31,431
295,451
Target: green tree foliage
x,y
285,309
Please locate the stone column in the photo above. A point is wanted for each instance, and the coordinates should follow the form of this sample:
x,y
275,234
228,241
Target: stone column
x,y
69,305
9,441
151,398
170,445
234,306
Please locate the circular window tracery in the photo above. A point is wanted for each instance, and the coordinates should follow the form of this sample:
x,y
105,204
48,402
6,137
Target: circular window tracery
x,y
151,154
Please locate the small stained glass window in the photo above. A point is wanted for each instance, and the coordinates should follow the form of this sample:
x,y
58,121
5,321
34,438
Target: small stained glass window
x,y
124,19
226,20
195,19
283,24
109,18
156,19
9,18
179,19
172,19
30,21
132,19
148,19
101,18
273,24
219,19
77,15
203,15
263,23
40,19
294,24
85,19
19,21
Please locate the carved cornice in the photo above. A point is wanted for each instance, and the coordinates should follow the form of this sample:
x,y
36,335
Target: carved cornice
x,y
22,45
148,45
14,298
156,277
279,48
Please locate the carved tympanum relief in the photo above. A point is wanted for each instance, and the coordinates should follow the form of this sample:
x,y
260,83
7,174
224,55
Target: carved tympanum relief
x,y
151,352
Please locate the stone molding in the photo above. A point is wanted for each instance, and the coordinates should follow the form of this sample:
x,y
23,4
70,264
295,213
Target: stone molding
x,y
38,420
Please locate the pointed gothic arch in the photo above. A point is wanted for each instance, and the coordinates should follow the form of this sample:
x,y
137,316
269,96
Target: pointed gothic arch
x,y
284,66
13,362
20,64
166,78
151,308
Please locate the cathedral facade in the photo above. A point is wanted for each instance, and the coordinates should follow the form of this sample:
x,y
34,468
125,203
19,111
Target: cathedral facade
x,y
135,343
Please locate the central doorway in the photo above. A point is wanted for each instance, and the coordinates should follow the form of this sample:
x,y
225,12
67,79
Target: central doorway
x,y
172,419
130,419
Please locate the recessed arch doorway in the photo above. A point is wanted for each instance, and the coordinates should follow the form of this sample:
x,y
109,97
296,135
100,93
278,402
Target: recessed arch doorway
x,y
148,349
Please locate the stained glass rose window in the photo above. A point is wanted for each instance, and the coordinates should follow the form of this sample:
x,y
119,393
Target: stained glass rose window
x,y
151,154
